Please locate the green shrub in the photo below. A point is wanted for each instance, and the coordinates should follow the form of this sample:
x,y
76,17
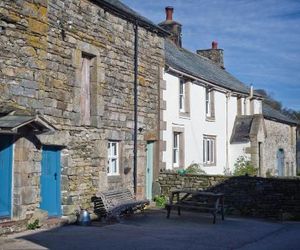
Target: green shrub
x,y
160,200
243,166
195,168
269,173
33,225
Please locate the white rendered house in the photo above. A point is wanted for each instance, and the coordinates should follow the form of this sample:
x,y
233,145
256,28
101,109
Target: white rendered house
x,y
211,118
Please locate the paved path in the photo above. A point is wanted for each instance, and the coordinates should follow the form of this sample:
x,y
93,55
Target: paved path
x,y
154,231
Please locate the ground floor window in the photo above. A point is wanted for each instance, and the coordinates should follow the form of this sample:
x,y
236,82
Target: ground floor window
x,y
113,158
209,150
176,141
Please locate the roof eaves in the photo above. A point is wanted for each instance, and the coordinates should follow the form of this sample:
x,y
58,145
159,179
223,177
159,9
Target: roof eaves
x,y
225,89
289,122
147,24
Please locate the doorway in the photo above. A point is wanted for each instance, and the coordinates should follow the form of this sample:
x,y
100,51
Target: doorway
x,y
6,155
50,181
280,162
149,170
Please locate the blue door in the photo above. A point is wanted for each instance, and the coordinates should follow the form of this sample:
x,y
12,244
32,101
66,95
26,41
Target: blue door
x,y
149,170
5,175
50,181
280,162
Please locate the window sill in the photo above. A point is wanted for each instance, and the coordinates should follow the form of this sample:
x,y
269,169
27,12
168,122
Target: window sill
x,y
184,115
209,165
113,175
114,178
210,119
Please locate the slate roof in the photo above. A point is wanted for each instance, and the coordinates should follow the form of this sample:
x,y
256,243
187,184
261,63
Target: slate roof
x,y
273,114
201,67
241,130
124,11
11,123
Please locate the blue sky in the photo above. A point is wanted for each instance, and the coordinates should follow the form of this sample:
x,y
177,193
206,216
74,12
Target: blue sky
x,y
260,38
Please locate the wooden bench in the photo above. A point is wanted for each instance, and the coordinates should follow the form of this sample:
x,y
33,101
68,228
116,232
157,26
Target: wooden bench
x,y
116,203
197,200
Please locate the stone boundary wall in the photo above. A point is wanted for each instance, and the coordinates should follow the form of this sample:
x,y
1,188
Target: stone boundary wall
x,y
251,196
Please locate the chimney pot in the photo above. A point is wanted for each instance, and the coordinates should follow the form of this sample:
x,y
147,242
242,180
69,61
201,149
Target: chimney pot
x,y
214,45
169,13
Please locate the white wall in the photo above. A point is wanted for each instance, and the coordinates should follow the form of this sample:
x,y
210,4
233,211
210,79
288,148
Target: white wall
x,y
196,125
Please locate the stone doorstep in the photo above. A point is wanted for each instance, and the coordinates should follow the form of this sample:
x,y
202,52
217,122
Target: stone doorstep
x,y
54,222
11,226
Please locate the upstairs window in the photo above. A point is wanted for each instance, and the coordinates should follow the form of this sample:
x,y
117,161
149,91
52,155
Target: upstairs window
x,y
182,96
85,91
113,158
209,103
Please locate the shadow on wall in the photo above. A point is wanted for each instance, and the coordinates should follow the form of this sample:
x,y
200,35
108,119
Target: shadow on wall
x,y
248,196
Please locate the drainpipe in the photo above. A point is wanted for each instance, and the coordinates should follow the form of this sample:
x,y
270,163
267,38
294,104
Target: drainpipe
x,y
135,106
227,139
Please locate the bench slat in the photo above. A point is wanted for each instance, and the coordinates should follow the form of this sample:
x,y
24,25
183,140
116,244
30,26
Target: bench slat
x,y
116,202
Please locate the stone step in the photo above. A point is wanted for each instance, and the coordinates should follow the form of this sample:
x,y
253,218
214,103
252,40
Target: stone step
x,y
54,222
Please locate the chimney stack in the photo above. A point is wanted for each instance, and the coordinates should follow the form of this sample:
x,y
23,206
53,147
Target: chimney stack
x,y
172,26
169,13
214,54
214,45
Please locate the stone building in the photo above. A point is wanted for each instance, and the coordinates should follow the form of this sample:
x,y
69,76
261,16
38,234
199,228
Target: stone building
x,y
70,122
298,150
278,151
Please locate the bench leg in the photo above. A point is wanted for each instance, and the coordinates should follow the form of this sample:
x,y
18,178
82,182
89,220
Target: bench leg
x,y
168,211
179,212
214,214
222,212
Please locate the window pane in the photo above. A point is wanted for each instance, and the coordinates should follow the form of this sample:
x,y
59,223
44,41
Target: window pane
x,y
181,88
114,166
176,148
175,140
114,146
204,151
181,95
174,156
208,151
112,149
212,150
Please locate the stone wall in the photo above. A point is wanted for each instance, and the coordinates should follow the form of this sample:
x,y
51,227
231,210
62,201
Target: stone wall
x,y
251,196
279,136
41,44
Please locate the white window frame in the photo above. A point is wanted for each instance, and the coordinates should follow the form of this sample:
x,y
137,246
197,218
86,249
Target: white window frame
x,y
112,156
182,90
208,102
209,150
176,148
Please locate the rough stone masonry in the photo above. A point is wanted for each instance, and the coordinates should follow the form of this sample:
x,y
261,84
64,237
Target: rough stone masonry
x,y
42,43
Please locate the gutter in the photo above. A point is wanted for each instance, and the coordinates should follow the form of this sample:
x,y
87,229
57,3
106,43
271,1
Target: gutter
x,y
206,82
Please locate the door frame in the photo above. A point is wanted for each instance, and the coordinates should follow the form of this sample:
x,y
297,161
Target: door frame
x,y
280,162
149,185
58,183
12,179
